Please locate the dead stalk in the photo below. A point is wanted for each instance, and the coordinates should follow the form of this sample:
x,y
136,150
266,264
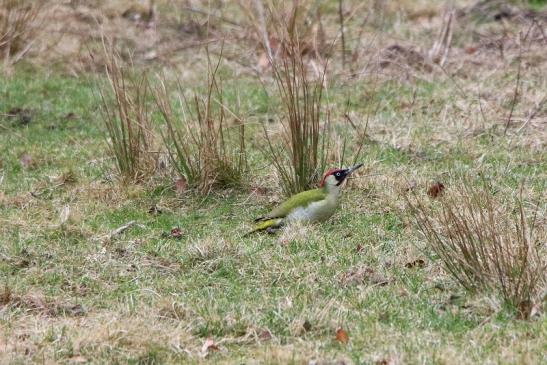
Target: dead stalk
x,y
483,246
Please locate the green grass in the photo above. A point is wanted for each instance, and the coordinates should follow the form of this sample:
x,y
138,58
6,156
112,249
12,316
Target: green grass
x,y
149,299
143,297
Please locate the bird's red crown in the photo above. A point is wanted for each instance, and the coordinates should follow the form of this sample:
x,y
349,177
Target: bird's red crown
x,y
327,174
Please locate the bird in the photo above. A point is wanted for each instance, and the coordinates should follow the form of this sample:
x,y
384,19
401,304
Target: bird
x,y
316,205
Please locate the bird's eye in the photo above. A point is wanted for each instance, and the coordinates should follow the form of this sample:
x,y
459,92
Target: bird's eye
x,y
338,174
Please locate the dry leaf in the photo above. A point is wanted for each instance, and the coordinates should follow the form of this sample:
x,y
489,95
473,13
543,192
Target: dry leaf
x,y
175,232
341,335
181,185
363,275
419,263
470,50
525,309
436,190
209,346
26,160
155,210
265,335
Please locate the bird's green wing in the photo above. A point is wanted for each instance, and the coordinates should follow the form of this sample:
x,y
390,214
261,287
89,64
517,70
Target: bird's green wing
x,y
302,199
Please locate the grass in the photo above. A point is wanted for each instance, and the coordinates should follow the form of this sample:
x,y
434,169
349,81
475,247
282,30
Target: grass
x,y
18,29
486,245
211,283
70,293
302,155
204,149
126,115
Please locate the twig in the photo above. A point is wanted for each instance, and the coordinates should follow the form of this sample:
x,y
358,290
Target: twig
x,y
515,94
517,84
121,229
439,51
263,30
209,14
533,113
343,39
481,110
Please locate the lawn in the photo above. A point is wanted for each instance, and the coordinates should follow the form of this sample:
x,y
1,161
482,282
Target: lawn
x,y
94,269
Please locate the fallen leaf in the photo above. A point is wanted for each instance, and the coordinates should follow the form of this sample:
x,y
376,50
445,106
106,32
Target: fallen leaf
x,y
470,50
181,185
155,210
341,335
176,232
524,309
363,275
419,263
265,335
435,190
209,346
26,160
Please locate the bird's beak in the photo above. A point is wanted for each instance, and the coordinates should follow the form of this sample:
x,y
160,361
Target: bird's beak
x,y
353,168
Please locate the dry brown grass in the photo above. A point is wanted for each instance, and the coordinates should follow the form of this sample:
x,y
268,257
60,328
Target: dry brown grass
x,y
301,157
485,245
152,298
204,149
127,118
19,28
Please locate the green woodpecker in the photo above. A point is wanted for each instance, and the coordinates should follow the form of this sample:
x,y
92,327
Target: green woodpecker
x,y
316,205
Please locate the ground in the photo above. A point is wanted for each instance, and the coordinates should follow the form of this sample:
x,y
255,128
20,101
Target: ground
x,y
362,288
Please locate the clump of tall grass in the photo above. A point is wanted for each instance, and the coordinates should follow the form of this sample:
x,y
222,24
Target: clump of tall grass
x,y
127,119
18,28
202,147
484,245
300,158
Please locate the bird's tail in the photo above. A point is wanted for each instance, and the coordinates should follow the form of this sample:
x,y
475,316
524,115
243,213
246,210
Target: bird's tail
x,y
266,224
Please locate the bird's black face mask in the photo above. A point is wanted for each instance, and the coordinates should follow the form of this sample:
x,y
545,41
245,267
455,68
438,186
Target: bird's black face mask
x,y
340,176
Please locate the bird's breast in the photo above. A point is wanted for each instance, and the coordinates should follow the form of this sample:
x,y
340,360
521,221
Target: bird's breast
x,y
314,212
